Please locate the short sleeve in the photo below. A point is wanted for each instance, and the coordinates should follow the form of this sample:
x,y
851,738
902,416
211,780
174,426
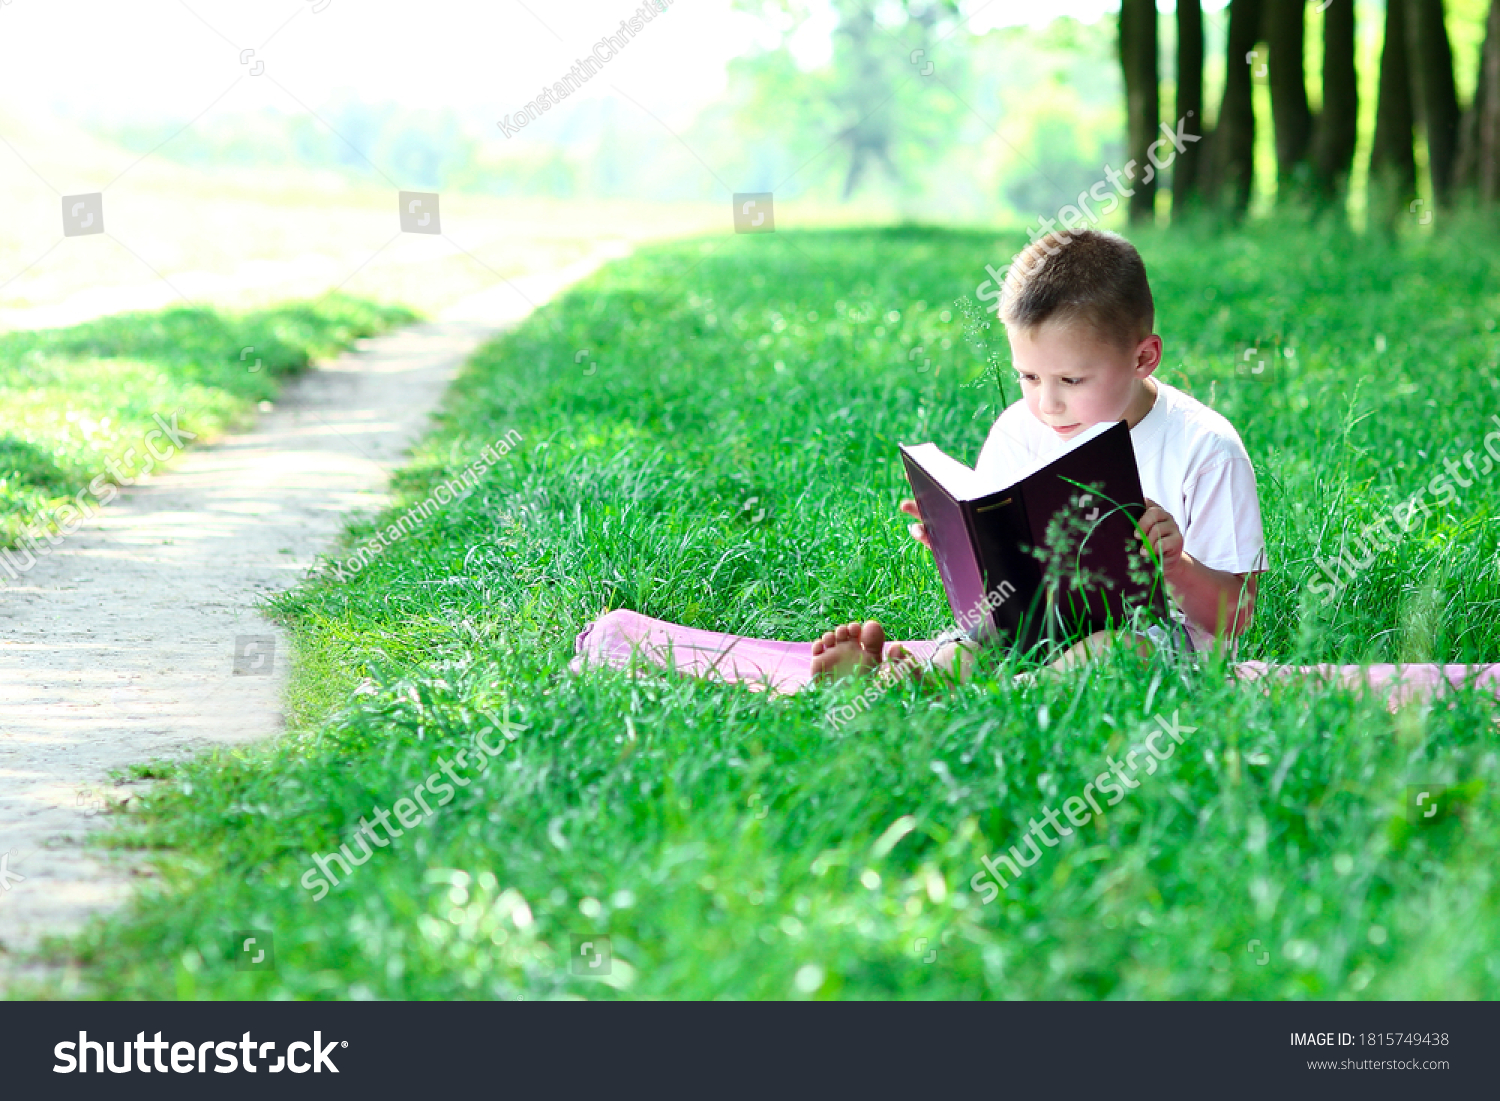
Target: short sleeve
x,y
1222,528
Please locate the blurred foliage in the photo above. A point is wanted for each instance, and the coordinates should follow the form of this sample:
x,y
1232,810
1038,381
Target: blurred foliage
x,y
1009,124
968,138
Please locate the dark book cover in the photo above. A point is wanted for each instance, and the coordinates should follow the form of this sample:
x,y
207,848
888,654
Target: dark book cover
x,y
1053,556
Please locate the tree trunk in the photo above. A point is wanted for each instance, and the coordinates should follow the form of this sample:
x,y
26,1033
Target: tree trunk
x,y
1185,170
1488,120
1436,94
865,90
1337,129
1479,144
1286,35
1393,164
1138,53
1233,148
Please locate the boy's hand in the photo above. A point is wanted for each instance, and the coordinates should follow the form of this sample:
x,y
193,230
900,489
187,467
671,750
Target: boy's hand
x,y
1159,532
918,530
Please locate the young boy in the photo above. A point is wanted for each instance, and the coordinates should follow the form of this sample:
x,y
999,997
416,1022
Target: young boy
x,y
1079,316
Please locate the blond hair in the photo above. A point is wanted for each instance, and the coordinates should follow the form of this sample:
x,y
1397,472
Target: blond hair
x,y
1084,275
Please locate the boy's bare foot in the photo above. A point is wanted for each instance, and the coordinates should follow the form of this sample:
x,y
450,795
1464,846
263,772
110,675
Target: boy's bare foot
x,y
849,648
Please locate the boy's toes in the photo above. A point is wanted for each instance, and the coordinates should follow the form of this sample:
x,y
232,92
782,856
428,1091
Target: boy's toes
x,y
849,648
825,653
902,659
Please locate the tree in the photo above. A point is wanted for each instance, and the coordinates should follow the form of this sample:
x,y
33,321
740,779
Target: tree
x,y
1436,95
1337,128
1233,151
1286,35
868,85
1479,142
879,100
1393,164
1138,61
1186,174
864,56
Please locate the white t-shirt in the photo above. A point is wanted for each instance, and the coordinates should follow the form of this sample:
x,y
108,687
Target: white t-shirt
x,y
1191,461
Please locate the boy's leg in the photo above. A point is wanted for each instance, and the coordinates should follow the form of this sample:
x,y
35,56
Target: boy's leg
x,y
956,659
1096,645
860,648
953,659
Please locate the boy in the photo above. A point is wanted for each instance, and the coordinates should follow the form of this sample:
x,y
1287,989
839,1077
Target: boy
x,y
1079,315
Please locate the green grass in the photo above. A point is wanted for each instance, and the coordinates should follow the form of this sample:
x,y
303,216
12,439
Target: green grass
x,y
733,845
73,401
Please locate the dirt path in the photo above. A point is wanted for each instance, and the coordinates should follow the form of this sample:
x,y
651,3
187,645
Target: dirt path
x,y
121,644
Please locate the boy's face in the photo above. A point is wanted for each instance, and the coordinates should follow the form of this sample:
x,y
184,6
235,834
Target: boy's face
x,y
1071,379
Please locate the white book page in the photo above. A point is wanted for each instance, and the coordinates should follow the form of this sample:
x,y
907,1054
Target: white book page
x,y
1072,445
961,482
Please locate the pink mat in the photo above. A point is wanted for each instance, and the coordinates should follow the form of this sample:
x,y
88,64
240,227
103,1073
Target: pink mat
x,y
759,663
1400,683
616,639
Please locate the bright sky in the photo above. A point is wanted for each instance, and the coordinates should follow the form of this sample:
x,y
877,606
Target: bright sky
x,y
174,58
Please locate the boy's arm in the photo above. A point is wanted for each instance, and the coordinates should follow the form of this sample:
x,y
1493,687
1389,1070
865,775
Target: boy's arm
x,y
1216,600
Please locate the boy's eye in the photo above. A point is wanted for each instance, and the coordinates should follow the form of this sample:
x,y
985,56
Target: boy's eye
x,y
1032,378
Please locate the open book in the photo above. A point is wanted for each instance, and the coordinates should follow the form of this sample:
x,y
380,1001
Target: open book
x,y
1054,555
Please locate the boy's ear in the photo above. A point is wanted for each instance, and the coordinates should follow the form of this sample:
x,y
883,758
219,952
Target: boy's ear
x,y
1147,356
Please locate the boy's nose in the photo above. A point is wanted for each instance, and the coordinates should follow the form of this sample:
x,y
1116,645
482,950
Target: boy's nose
x,y
1052,401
